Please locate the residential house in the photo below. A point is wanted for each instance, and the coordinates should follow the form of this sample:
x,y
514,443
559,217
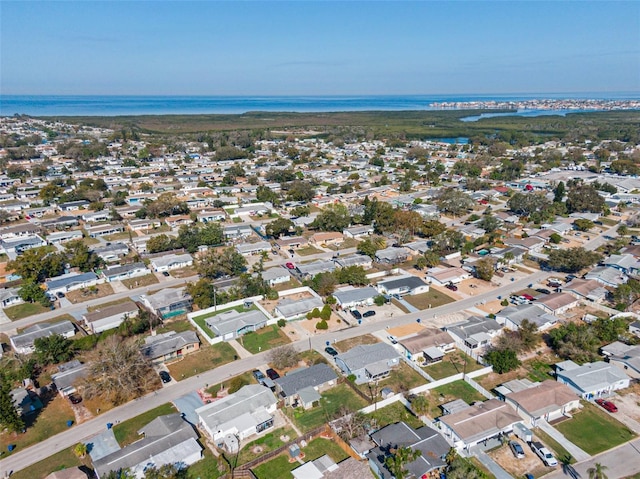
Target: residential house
x,y
73,205
160,348
512,316
232,324
368,362
591,380
350,297
358,231
588,289
71,281
167,439
235,232
625,263
23,343
248,249
168,302
634,328
354,260
327,238
558,303
25,401
291,242
547,401
432,446
126,271
111,252
325,468
110,317
626,357
104,230
478,423
303,386
97,216
9,297
475,333
403,285
238,416
444,276
309,270
276,275
531,244
15,246
171,261
295,308
60,237
68,376
208,216
607,276
428,346
392,255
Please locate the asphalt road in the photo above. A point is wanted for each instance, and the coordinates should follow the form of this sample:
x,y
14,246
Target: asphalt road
x,y
77,433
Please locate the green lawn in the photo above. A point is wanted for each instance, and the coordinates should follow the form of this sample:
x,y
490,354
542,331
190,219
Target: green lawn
x,y
200,320
593,430
393,413
431,298
331,402
140,281
308,250
267,443
401,379
280,467
455,390
233,383
47,422
23,310
127,432
452,363
263,339
62,460
209,467
208,357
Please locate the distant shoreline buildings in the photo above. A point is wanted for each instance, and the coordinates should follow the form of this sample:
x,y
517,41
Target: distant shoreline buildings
x,y
566,104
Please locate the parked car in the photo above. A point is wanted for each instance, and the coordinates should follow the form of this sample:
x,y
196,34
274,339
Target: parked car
x,y
544,454
570,277
543,291
368,314
166,274
452,287
290,266
60,295
330,351
528,297
356,314
608,405
516,449
393,339
165,377
272,373
75,399
258,375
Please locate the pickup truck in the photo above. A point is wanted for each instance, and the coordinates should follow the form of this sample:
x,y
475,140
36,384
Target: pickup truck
x,y
544,454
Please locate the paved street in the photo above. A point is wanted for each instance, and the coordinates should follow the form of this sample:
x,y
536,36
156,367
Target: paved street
x,y
31,455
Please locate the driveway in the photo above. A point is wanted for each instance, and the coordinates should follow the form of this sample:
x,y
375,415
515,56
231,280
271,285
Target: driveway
x,y
493,466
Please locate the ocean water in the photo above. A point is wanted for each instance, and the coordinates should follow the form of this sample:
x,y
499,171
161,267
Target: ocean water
x,y
57,105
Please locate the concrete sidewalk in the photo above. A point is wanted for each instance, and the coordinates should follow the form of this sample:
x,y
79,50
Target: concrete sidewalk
x,y
493,466
577,453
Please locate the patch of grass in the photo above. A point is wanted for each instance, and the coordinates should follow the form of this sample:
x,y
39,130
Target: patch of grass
x,y
281,468
110,303
127,432
400,306
346,344
267,443
401,378
24,310
560,451
208,357
263,339
539,370
609,222
392,413
47,422
222,309
177,325
186,272
431,298
452,363
140,281
237,220
118,236
61,460
292,283
85,294
88,241
209,466
244,378
460,390
331,402
594,430
308,250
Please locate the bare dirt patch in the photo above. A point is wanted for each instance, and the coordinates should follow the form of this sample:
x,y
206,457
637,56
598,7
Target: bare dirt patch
x,y
270,305
530,463
629,402
93,292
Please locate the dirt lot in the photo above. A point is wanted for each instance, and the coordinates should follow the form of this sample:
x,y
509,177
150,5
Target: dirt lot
x,y
519,467
80,295
270,306
628,401
335,323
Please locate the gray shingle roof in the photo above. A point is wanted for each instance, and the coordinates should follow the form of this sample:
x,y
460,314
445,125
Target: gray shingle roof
x,y
162,344
313,376
364,355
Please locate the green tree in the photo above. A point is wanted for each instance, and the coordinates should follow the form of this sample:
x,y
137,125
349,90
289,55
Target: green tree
x,y
485,269
160,243
399,458
555,238
370,246
379,300
525,204
572,260
50,192
454,201
334,217
33,293
53,349
37,264
78,255
266,194
213,264
279,227
167,471
582,198
420,404
597,471
623,230
558,192
80,450
502,360
353,275
9,417
431,228
583,225
203,293
528,333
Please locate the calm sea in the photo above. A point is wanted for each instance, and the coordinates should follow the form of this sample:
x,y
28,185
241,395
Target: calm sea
x,y
162,105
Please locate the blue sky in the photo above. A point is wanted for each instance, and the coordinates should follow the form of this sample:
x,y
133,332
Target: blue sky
x,y
318,48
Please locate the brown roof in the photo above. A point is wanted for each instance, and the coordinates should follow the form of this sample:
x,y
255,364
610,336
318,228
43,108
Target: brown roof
x,y
481,420
429,338
555,301
547,396
110,311
582,286
70,473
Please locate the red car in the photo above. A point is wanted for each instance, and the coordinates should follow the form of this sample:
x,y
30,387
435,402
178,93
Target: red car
x,y
290,266
608,405
528,297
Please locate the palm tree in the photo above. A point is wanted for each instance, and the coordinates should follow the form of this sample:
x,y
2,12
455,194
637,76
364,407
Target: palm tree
x,y
597,471
399,458
80,450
